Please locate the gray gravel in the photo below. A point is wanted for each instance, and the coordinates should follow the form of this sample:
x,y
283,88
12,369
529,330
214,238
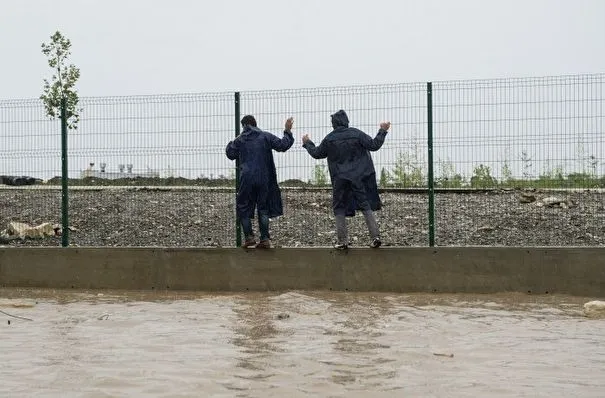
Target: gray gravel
x,y
193,218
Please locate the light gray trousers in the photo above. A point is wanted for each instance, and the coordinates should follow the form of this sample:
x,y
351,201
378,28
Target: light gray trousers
x,y
341,226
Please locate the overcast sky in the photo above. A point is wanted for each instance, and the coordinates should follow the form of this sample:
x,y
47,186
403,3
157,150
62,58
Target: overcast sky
x,y
149,46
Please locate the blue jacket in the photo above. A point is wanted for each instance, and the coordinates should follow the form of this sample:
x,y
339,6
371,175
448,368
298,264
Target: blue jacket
x,y
253,147
348,152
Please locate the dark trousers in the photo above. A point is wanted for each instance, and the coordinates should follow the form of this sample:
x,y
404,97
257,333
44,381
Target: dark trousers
x,y
251,195
263,226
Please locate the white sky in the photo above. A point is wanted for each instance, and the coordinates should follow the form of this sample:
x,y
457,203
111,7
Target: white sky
x,y
150,46
132,47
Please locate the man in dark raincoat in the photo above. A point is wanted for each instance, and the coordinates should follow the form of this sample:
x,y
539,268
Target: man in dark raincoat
x,y
352,174
258,179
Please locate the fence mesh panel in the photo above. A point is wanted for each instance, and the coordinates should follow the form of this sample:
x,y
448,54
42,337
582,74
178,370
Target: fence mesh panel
x,y
144,170
533,139
30,151
516,162
308,219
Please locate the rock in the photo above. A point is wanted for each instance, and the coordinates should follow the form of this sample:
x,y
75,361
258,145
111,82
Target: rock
x,y
527,198
594,309
485,228
553,201
19,230
19,180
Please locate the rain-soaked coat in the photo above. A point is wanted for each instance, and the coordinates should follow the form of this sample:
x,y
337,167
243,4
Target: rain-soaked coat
x,y
258,178
351,167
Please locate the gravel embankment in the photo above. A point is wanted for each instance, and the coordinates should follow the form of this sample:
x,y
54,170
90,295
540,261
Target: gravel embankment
x,y
186,218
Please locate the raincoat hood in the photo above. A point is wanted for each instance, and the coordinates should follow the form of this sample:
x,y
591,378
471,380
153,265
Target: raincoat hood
x,y
340,119
250,130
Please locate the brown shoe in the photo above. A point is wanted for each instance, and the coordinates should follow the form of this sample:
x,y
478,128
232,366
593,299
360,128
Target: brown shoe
x,y
249,244
264,244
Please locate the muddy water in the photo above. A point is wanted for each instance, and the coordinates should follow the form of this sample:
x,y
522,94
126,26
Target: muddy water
x,y
294,344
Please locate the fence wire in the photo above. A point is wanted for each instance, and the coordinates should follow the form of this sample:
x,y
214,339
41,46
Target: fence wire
x,y
516,162
539,137
30,148
308,219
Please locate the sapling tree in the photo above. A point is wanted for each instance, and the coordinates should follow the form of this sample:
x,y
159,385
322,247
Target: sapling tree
x,y
63,81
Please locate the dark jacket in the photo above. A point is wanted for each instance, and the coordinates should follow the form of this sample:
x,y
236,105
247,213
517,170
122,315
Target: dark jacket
x,y
350,164
258,177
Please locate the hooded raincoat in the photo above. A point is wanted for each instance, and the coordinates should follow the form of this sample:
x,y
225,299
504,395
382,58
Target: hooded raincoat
x,y
258,177
350,165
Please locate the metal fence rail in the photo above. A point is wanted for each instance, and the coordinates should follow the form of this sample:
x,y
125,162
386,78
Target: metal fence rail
x,y
504,156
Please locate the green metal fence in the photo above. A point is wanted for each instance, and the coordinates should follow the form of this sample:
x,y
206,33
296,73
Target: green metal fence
x,y
483,162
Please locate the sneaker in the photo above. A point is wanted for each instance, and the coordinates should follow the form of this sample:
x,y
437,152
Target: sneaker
x,y
264,244
375,243
249,243
341,246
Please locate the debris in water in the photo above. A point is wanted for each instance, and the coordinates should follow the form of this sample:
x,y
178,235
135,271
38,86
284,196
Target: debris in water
x,y
443,355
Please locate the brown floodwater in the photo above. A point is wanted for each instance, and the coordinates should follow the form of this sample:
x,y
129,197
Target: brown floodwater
x,y
118,344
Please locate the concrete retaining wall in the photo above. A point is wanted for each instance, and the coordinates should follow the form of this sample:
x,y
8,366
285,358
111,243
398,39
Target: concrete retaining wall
x,y
577,271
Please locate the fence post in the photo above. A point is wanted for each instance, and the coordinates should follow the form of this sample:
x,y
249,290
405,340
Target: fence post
x,y
64,177
431,182
238,227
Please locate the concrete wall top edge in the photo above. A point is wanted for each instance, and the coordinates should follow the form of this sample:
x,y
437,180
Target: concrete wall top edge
x,y
308,248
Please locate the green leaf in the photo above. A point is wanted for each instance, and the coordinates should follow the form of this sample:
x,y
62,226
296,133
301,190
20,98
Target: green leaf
x,y
62,82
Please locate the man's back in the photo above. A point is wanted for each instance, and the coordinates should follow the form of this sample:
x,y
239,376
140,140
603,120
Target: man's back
x,y
352,174
258,186
254,149
346,152
347,149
